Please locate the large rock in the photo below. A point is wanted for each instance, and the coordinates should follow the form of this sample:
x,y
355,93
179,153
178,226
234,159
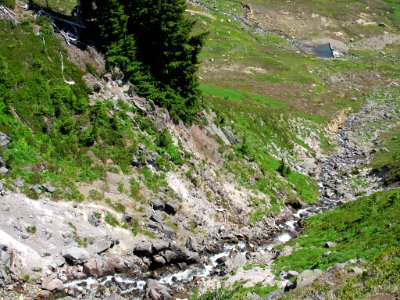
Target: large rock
x,y
157,291
239,260
171,207
98,267
158,205
144,248
183,255
102,246
75,255
192,245
52,283
160,245
307,277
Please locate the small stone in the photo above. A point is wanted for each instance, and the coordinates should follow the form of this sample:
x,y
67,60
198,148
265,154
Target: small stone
x,y
357,270
326,254
3,171
330,244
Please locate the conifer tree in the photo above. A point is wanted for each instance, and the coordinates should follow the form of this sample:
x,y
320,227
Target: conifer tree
x,y
151,41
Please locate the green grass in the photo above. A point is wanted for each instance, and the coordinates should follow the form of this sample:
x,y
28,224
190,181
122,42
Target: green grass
x,y
388,161
111,220
381,277
363,228
237,291
31,229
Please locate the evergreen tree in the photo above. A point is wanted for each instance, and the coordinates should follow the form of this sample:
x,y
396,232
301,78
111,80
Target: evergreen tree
x,y
151,41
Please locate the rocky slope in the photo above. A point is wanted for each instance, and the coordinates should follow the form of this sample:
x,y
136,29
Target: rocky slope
x,y
189,222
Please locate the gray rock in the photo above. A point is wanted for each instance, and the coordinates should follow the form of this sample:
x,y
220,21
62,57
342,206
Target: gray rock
x,y
168,232
159,260
274,294
75,255
36,188
184,255
158,205
3,171
307,277
127,217
291,274
102,246
231,137
52,283
157,291
330,244
49,187
171,207
115,297
157,217
98,267
4,140
357,270
94,220
144,248
239,260
160,245
192,245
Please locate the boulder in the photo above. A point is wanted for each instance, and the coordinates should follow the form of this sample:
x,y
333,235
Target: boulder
x,y
307,277
3,171
98,267
102,246
192,245
49,187
157,291
171,207
291,274
184,255
357,270
157,217
52,283
158,205
75,256
94,219
145,248
239,260
159,260
160,245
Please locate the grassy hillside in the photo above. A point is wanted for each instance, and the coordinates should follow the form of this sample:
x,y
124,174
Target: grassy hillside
x,y
366,228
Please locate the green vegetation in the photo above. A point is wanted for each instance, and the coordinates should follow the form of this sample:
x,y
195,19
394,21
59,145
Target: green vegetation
x,y
111,220
162,68
380,277
237,291
364,228
31,229
387,160
8,3
82,242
